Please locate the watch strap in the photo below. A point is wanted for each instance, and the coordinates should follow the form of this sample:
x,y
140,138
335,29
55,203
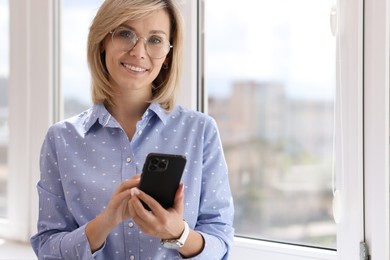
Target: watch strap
x,y
185,234
177,243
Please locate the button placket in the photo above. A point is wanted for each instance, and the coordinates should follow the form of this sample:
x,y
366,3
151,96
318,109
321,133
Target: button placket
x,y
142,124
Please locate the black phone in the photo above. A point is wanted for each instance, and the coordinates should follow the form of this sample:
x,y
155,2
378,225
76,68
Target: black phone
x,y
161,175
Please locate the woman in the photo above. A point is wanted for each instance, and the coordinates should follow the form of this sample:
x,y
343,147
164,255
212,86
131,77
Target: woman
x,y
90,206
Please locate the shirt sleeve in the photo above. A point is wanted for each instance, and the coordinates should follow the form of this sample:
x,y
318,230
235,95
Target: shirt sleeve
x,y
215,220
58,236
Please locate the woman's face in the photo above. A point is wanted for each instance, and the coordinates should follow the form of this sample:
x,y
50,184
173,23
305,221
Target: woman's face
x,y
134,69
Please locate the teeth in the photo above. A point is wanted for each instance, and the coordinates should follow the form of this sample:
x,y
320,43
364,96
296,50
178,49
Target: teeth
x,y
134,68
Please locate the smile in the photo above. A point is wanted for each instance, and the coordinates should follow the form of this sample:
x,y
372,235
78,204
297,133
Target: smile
x,y
133,68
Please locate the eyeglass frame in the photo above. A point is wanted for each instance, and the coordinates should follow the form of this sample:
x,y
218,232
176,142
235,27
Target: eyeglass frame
x,y
136,41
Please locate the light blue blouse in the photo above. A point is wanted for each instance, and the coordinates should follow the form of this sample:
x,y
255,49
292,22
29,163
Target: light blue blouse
x,y
85,158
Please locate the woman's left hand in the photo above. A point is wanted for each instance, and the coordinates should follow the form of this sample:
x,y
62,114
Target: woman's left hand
x,y
159,222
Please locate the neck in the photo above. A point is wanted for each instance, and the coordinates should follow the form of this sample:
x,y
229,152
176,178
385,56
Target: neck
x,y
128,109
131,103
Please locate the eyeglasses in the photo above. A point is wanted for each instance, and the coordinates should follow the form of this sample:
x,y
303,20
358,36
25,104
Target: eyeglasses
x,y
124,39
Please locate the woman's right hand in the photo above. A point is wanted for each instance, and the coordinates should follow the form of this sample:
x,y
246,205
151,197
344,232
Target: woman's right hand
x,y
116,212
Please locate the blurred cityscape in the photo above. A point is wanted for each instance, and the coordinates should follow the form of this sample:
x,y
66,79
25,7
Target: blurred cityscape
x,y
279,153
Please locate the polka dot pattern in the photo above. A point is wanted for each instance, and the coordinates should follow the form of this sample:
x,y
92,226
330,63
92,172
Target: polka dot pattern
x,y
84,159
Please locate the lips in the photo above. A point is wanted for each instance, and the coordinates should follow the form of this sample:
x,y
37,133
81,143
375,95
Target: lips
x,y
133,68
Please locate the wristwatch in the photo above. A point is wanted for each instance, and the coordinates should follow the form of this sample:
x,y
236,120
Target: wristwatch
x,y
177,243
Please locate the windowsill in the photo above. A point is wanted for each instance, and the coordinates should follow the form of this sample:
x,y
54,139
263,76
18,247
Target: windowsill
x,y
16,250
245,248
12,250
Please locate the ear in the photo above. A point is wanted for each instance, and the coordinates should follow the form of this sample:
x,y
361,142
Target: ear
x,y
102,47
103,44
166,62
168,58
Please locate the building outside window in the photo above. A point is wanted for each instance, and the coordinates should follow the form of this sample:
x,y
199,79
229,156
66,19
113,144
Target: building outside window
x,y
270,76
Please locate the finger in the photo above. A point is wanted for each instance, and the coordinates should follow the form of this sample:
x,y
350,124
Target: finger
x,y
178,203
118,198
136,203
130,206
136,176
144,219
154,206
128,184
123,192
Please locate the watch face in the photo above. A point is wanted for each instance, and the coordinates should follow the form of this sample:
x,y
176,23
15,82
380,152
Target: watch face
x,y
171,244
177,243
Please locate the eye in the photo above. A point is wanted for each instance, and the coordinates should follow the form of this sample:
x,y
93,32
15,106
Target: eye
x,y
155,40
126,34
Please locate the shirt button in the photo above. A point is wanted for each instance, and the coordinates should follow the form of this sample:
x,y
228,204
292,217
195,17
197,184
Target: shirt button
x,y
132,257
128,159
139,132
131,224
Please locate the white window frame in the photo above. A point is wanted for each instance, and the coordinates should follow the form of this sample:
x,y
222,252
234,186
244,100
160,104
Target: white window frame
x,y
376,127
30,110
31,100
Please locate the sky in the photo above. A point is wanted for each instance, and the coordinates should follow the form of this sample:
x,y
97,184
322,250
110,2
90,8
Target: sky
x,y
257,40
280,40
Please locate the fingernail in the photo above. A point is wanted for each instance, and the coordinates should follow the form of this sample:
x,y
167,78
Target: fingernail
x,y
134,192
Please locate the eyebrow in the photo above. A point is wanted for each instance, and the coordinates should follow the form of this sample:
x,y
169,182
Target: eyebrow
x,y
150,32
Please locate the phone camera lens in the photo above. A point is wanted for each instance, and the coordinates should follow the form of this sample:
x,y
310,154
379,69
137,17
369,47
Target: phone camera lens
x,y
162,165
152,167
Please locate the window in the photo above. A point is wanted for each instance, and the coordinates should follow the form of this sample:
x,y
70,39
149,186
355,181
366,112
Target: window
x,y
30,94
270,76
76,17
4,74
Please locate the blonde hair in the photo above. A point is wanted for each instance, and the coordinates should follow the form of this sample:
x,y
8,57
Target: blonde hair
x,y
114,13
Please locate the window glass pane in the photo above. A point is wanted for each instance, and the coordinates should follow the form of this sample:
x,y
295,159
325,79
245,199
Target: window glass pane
x,y
270,76
4,74
76,17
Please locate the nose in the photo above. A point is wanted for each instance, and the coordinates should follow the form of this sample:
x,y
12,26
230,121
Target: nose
x,y
139,49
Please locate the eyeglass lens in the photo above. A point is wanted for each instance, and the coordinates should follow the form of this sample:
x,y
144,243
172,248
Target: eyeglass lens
x,y
125,39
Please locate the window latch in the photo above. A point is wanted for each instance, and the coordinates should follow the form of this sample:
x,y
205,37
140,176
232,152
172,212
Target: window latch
x,y
364,251
334,19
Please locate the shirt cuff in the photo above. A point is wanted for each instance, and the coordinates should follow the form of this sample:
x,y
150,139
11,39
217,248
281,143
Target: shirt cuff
x,y
75,245
213,248
99,250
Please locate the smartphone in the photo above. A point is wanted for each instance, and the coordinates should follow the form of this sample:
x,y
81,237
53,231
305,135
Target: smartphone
x,y
161,175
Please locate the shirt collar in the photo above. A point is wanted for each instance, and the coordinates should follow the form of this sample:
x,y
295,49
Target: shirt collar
x,y
159,111
99,113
